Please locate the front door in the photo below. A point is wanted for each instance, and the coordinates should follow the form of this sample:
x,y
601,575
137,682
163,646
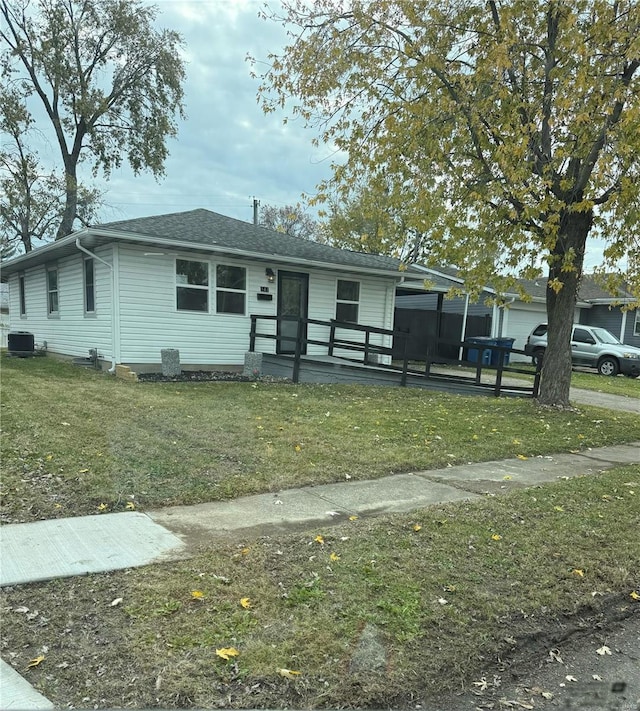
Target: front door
x,y
293,303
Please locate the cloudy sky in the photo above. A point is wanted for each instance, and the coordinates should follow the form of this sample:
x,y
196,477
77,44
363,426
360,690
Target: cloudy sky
x,y
227,151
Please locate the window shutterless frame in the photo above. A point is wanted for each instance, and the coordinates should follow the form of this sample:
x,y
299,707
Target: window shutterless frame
x,y
192,285
89,276
347,300
22,295
231,289
53,301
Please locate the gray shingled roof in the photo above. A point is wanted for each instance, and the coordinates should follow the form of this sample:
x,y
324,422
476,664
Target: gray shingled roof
x,y
203,227
590,289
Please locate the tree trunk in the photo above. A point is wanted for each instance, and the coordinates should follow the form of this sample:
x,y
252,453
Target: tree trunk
x,y
71,203
561,304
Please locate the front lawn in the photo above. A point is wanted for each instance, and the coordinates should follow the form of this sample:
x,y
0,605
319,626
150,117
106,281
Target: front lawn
x,y
77,442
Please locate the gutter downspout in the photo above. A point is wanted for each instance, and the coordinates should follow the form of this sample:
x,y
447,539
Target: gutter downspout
x,y
114,329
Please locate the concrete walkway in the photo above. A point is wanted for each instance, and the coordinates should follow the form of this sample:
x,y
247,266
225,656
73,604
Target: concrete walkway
x,y
66,547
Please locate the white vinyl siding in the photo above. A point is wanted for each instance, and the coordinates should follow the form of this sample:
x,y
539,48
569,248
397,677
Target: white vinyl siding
x,y
375,309
70,333
149,320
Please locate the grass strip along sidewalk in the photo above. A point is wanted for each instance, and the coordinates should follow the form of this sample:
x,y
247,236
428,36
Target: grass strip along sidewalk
x,y
386,611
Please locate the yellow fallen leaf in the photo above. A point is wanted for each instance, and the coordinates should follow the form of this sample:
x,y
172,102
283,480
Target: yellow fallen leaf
x,y
130,506
516,441
496,537
578,572
288,673
319,539
507,477
197,594
102,507
245,602
245,551
522,456
49,457
334,557
353,518
298,448
417,527
558,508
83,471
35,662
634,595
227,652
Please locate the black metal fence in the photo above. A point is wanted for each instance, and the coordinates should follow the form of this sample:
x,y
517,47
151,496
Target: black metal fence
x,y
483,357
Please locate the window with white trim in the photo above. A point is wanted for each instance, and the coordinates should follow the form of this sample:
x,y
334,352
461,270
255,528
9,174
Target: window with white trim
x,y
231,289
22,295
89,286
192,285
53,302
636,325
347,301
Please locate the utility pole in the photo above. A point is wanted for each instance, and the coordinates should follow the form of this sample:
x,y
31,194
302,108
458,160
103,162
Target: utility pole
x,y
256,205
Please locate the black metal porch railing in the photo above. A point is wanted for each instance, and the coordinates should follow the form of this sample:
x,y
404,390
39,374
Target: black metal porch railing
x,y
407,366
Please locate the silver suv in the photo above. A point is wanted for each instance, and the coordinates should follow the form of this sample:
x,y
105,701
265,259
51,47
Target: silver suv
x,y
591,346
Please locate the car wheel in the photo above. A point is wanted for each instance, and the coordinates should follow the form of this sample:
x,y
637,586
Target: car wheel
x,y
608,366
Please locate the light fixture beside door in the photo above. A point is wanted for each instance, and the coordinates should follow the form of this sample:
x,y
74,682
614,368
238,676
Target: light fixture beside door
x,y
270,274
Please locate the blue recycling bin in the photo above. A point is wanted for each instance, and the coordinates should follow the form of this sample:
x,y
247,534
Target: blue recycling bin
x,y
504,343
482,354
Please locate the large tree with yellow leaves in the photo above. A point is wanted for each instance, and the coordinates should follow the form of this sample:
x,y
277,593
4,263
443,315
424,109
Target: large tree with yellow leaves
x,y
506,132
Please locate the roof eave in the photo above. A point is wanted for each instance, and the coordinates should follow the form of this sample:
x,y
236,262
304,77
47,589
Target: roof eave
x,y
18,263
49,250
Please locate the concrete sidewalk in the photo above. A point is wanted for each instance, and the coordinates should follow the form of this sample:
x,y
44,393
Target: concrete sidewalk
x,y
67,547
58,548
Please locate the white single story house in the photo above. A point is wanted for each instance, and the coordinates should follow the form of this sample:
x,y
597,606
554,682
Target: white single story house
x,y
189,281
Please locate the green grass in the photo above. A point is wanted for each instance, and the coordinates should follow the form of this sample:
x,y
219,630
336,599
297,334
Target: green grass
x,y
449,589
620,385
77,442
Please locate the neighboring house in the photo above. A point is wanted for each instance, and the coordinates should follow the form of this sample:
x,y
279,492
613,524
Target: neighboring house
x,y
516,318
189,281
608,311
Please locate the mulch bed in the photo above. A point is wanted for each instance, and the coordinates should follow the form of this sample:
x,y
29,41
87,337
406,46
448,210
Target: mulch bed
x,y
191,376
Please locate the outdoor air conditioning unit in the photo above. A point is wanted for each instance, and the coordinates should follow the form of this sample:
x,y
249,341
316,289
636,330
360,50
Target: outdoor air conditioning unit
x,y
21,344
